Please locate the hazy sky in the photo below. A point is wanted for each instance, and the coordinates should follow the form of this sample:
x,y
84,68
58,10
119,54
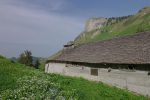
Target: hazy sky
x,y
43,26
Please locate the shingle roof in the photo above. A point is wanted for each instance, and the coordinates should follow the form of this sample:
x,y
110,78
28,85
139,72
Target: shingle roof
x,y
126,50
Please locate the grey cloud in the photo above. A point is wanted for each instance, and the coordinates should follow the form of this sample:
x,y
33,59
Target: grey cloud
x,y
37,30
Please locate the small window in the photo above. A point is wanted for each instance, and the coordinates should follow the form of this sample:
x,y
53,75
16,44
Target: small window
x,y
94,72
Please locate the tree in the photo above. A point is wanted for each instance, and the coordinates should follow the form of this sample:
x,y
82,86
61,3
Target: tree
x,y
26,58
21,58
37,64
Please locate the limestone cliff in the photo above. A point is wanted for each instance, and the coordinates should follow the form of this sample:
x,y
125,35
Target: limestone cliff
x,y
92,27
94,23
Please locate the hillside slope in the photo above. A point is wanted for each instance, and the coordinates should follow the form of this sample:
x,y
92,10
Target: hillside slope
x,y
115,27
21,82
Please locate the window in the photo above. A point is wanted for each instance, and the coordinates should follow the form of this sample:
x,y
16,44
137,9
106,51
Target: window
x,y
94,72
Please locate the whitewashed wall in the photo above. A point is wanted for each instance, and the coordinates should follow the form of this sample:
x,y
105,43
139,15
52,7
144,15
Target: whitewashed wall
x,y
55,68
137,81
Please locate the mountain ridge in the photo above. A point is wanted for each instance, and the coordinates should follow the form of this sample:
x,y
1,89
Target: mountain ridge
x,y
97,29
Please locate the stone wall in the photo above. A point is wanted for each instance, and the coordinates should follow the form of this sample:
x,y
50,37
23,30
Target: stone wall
x,y
136,81
55,68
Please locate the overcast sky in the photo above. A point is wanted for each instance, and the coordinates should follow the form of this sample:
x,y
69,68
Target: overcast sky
x,y
43,26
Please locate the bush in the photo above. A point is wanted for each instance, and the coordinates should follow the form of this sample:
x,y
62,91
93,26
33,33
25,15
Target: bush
x,y
26,58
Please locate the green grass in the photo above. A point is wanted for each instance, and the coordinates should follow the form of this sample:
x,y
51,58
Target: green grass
x,y
10,72
21,82
130,26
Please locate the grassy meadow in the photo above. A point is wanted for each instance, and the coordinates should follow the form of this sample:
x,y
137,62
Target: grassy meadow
x,y
19,82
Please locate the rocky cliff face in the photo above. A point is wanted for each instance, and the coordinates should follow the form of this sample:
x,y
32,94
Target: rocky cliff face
x,y
92,27
94,23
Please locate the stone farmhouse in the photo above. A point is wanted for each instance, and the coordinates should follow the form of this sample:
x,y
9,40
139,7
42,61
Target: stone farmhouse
x,y
122,62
